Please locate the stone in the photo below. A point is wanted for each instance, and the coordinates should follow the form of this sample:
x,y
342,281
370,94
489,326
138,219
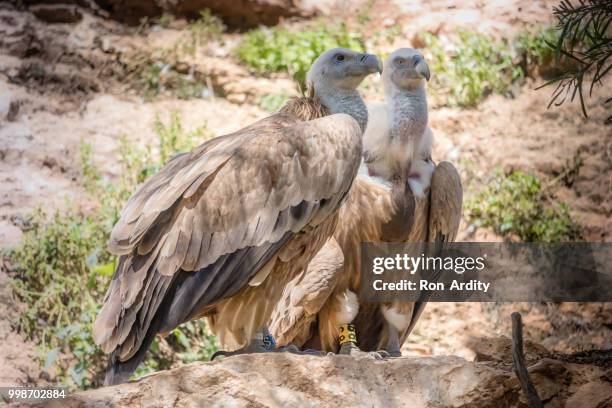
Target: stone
x,y
284,379
57,13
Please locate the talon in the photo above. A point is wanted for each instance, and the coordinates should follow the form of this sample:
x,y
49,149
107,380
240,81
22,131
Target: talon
x,y
376,355
220,354
291,348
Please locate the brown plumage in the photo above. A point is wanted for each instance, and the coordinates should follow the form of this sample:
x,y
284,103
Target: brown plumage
x,y
219,231
372,213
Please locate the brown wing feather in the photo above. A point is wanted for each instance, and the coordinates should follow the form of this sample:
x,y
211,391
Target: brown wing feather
x,y
446,202
446,195
304,296
369,209
377,214
223,202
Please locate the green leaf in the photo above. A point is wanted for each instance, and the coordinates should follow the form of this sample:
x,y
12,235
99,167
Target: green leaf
x,y
106,269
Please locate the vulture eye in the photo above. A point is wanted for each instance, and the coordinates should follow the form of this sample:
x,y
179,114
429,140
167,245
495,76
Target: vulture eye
x,y
339,57
400,61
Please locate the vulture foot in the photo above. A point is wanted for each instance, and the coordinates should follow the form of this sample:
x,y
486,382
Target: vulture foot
x,y
262,343
391,353
351,349
256,347
245,350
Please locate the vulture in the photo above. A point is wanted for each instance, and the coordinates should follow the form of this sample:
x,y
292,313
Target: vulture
x,y
320,309
398,140
220,230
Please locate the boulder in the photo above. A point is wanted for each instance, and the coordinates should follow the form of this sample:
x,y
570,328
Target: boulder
x,y
288,380
57,13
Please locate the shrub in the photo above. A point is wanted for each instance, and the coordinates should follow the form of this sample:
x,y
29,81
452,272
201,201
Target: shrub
x,y
159,77
157,73
535,46
62,269
475,66
293,50
206,28
517,205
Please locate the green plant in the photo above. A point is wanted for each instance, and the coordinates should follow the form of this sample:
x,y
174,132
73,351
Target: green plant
x,y
165,20
173,138
56,276
150,80
206,28
517,205
293,50
158,73
159,77
475,66
62,269
535,46
89,172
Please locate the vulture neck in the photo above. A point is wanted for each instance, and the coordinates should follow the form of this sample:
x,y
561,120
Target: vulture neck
x,y
408,112
345,101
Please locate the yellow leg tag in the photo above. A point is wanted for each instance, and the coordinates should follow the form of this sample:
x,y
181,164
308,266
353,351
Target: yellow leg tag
x,y
347,334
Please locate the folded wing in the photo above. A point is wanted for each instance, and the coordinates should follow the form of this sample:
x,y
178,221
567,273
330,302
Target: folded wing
x,y
200,229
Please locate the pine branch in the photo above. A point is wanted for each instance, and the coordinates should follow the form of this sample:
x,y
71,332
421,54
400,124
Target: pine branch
x,y
584,39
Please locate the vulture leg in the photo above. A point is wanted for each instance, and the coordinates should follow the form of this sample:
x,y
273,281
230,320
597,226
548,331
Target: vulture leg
x,y
264,343
393,342
397,316
347,336
255,346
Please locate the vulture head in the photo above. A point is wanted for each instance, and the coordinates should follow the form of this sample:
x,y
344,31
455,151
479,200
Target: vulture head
x,y
405,69
341,69
335,76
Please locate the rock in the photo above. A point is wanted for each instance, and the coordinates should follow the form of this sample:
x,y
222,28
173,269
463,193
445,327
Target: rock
x,y
284,379
57,13
592,395
500,349
235,13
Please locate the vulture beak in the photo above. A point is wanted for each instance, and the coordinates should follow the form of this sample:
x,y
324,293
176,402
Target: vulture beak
x,y
371,63
421,67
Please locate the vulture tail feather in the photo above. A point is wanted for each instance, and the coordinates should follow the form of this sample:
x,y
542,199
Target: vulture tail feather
x,y
188,294
118,371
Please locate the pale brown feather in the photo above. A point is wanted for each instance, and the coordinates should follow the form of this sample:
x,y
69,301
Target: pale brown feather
x,y
374,213
248,189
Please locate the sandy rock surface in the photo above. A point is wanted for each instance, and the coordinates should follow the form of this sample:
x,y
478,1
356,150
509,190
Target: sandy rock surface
x,y
287,380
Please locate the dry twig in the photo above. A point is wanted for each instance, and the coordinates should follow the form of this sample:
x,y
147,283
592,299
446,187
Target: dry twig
x,y
533,400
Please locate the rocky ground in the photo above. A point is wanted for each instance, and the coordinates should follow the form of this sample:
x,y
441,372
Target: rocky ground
x,y
70,81
285,380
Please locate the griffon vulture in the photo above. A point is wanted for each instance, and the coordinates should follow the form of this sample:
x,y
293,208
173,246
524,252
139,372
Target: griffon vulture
x,y
318,305
397,140
220,230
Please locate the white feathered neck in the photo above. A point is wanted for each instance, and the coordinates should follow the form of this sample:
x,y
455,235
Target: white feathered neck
x,y
407,109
